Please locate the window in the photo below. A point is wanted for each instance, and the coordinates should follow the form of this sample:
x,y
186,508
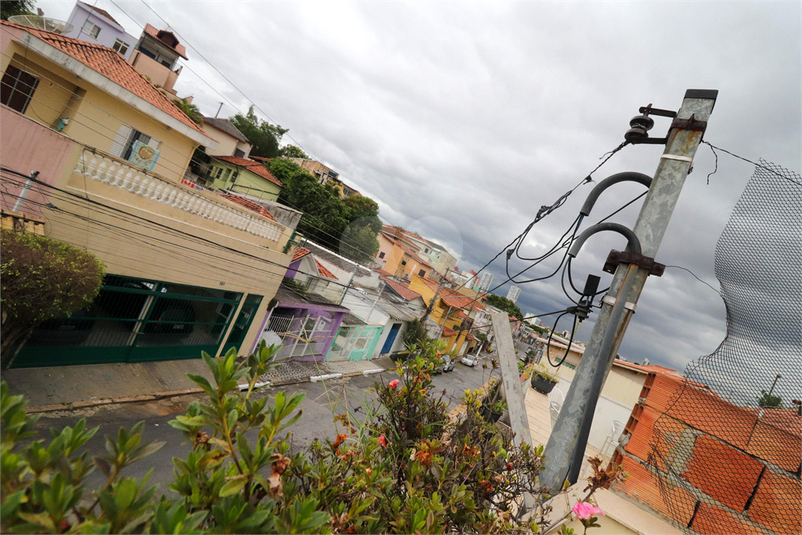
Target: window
x,y
238,153
403,262
17,88
120,46
135,136
381,255
91,29
422,273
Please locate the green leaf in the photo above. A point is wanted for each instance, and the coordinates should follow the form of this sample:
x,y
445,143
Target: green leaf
x,y
233,486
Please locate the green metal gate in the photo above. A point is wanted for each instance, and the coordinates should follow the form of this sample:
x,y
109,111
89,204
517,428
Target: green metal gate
x,y
135,320
355,342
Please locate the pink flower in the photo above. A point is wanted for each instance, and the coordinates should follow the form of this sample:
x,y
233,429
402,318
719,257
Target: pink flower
x,y
393,384
382,440
585,510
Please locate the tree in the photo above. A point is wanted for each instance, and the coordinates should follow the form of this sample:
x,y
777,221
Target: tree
x,y
264,136
10,8
41,279
291,151
415,333
502,303
359,243
769,401
190,110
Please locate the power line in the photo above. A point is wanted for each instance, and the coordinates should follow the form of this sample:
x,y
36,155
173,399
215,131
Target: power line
x,y
155,224
221,74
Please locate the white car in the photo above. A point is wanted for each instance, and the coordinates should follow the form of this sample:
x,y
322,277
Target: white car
x,y
469,360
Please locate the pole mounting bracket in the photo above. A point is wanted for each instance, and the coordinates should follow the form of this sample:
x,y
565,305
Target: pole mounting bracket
x,y
691,123
628,257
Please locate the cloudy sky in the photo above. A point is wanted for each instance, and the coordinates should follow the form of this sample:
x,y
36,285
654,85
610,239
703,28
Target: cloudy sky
x,y
461,119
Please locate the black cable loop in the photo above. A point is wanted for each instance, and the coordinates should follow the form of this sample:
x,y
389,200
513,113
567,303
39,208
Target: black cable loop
x,y
571,282
568,295
570,341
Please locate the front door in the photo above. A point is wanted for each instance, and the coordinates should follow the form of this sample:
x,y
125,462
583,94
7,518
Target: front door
x,y
388,344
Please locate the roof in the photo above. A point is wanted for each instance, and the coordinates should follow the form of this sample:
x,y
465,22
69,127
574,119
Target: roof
x,y
99,11
299,253
333,258
252,166
249,204
350,319
323,271
401,290
113,66
286,296
226,126
162,37
448,332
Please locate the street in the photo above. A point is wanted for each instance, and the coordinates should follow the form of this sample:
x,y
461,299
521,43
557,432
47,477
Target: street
x,y
322,402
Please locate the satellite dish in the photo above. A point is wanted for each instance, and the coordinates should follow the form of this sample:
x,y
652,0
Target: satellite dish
x,y
42,23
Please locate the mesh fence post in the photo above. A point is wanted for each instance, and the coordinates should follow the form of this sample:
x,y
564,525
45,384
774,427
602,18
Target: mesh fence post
x,y
566,445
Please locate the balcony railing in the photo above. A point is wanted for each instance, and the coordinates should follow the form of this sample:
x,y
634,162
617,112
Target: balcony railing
x,y
109,170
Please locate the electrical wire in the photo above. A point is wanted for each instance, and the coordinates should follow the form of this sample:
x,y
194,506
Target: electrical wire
x,y
570,341
159,226
764,167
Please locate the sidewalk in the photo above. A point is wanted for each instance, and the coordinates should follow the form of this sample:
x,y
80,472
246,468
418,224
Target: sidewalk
x,y
296,371
72,387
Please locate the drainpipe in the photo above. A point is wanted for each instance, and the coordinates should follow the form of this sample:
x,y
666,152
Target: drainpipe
x,y
25,189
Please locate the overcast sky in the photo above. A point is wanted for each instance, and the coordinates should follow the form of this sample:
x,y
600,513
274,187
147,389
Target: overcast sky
x,y
462,119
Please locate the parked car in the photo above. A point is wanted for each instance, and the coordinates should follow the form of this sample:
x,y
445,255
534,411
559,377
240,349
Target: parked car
x,y
446,365
70,331
470,360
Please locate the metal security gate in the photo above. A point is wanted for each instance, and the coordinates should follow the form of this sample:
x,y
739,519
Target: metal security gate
x,y
135,320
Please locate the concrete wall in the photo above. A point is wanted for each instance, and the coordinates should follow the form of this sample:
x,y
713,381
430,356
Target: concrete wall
x,y
227,144
157,73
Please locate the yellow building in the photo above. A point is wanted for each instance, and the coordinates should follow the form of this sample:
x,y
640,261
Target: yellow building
x,y
187,270
451,312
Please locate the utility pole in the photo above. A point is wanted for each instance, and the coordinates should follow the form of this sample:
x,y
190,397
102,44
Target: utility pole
x,y
566,446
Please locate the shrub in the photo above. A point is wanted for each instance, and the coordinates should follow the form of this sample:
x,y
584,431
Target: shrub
x,y
406,468
42,279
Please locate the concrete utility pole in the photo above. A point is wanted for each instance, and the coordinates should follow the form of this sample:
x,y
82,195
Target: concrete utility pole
x,y
566,446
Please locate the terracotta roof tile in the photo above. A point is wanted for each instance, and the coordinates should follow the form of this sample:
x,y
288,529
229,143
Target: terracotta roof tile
x,y
299,253
399,288
99,11
323,271
113,66
249,204
252,166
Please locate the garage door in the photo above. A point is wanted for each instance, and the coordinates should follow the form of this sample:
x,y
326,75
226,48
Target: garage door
x,y
135,320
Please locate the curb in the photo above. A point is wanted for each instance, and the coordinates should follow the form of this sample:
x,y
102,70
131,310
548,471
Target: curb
x,y
85,404
110,401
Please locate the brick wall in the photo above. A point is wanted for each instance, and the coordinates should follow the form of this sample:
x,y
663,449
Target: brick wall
x,y
710,466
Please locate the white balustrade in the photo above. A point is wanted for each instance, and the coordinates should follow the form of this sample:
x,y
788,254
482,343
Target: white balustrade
x,y
111,171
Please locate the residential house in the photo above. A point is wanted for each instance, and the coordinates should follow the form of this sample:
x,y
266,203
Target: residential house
x,y
231,142
156,56
309,274
386,313
90,23
326,175
242,175
90,94
710,466
348,272
399,257
306,324
451,314
187,270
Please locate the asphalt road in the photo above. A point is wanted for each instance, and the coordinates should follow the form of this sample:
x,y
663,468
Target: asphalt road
x,y
322,401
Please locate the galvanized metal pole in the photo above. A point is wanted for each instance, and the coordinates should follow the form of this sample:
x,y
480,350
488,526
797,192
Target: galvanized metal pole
x,y
566,445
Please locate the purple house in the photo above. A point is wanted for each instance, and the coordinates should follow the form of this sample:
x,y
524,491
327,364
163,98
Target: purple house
x,y
96,25
305,324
